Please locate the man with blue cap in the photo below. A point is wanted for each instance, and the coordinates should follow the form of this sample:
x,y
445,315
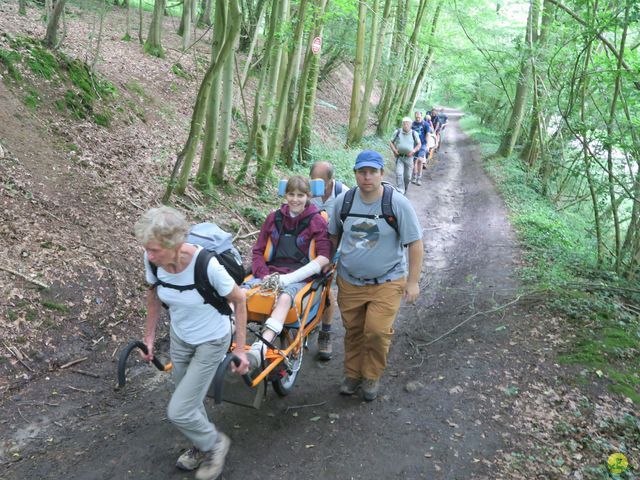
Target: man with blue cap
x,y
372,227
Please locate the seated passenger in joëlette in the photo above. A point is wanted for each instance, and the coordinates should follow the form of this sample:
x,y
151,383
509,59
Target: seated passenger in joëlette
x,y
297,248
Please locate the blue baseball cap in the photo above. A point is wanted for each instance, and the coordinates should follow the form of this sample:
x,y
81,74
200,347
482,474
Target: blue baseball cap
x,y
369,158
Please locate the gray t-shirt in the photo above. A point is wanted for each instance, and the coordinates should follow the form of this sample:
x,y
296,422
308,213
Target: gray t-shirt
x,y
405,142
370,248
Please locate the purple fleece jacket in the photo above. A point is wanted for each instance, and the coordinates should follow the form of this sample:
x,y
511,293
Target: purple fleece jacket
x,y
317,230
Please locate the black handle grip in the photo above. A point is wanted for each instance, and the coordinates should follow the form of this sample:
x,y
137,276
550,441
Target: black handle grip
x,y
124,355
218,379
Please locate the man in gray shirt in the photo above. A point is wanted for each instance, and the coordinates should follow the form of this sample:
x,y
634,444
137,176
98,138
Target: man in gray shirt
x,y
333,188
372,226
405,144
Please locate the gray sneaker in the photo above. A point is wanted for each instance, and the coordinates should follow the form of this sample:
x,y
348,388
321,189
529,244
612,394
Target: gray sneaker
x,y
370,389
324,346
190,460
419,181
213,462
349,385
255,354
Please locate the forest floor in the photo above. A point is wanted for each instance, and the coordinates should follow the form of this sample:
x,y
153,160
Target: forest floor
x,y
472,390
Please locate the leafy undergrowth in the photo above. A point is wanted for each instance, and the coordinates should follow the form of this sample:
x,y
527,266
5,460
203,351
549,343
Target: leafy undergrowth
x,y
599,321
53,79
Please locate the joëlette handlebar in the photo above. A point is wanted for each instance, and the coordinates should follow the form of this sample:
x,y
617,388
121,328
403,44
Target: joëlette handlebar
x,y
122,362
218,379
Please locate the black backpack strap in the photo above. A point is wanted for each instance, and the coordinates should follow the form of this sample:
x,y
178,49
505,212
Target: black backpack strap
x,y
154,270
387,207
347,203
203,285
278,220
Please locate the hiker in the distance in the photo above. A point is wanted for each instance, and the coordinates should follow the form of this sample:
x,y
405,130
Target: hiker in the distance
x,y
332,188
291,229
200,334
420,126
372,226
404,144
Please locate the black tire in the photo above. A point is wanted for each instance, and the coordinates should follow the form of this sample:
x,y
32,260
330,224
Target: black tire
x,y
285,379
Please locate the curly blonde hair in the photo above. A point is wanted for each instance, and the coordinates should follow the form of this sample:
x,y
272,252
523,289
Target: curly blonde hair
x,y
164,225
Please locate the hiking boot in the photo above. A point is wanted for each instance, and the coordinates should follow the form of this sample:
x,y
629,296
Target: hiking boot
x,y
419,181
213,462
413,179
190,460
324,346
370,389
349,385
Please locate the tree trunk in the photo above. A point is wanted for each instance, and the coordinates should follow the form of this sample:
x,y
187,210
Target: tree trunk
x,y
610,125
22,7
264,164
377,39
96,56
426,64
127,33
534,145
205,17
393,71
300,118
185,24
356,95
153,45
275,141
217,176
254,39
512,132
51,37
48,9
232,24
306,128
140,22
203,177
251,143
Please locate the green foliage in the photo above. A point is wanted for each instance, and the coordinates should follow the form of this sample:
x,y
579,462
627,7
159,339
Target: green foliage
x,y
103,119
135,87
179,71
561,259
153,50
32,99
254,214
58,307
126,37
9,58
87,94
42,62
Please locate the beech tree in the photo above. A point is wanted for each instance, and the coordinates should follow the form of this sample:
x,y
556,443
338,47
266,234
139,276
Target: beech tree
x,y
153,45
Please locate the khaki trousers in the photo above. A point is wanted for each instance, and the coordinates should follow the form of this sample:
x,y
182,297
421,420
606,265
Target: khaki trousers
x,y
368,313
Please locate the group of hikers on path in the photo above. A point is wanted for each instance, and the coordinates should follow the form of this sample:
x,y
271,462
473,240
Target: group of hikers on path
x,y
378,237
415,143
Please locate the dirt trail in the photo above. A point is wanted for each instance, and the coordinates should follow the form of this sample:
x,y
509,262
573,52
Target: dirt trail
x,y
450,426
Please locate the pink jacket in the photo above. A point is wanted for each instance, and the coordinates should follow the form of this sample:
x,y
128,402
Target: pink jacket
x,y
317,230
